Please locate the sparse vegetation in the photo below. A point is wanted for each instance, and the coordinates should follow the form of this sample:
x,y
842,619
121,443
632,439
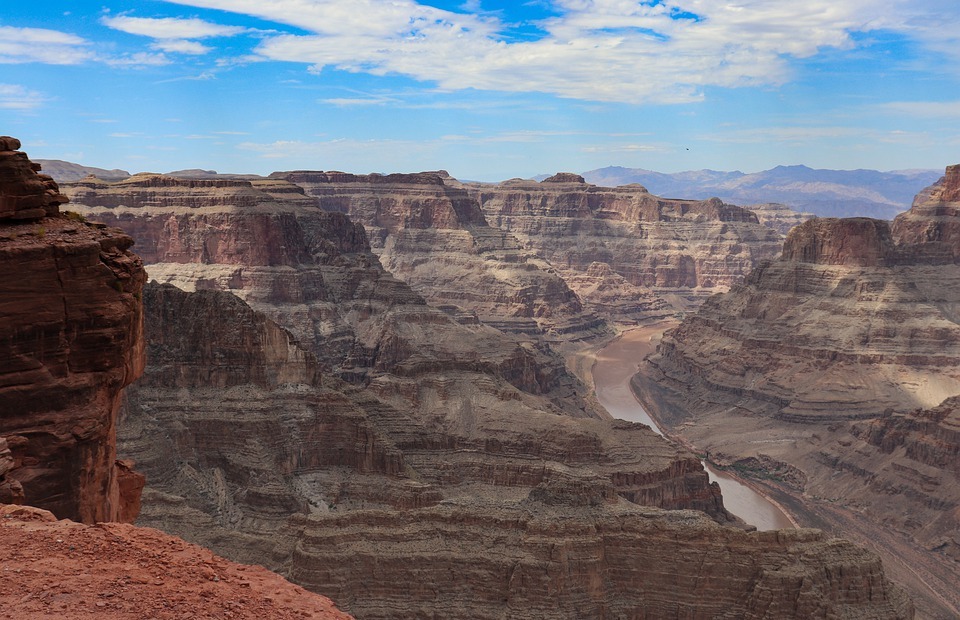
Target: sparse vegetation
x,y
76,217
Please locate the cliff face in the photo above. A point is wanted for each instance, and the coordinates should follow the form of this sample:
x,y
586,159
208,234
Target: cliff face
x,y
833,362
312,272
625,562
431,234
71,337
682,249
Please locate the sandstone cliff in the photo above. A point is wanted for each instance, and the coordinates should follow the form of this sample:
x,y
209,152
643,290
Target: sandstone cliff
x,y
825,373
431,234
678,251
70,337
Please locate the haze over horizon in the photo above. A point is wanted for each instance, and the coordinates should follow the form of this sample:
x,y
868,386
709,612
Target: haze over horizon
x,y
486,90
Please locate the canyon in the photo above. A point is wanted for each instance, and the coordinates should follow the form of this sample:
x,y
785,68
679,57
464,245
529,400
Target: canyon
x,y
830,376
304,408
71,328
630,254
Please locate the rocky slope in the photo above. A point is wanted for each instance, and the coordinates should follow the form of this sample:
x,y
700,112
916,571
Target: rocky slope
x,y
833,371
431,233
656,250
71,571
70,341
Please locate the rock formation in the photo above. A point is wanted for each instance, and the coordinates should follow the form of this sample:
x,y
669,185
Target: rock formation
x,y
678,251
833,371
70,337
431,233
474,515
304,409
533,560
778,216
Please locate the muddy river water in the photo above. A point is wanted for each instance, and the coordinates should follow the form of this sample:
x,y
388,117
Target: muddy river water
x,y
614,366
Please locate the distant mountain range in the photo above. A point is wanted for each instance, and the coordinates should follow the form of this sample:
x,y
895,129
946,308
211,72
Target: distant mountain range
x,y
827,193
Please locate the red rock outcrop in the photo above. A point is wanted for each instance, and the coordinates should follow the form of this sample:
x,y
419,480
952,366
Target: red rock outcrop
x,y
839,361
77,572
431,233
70,336
680,251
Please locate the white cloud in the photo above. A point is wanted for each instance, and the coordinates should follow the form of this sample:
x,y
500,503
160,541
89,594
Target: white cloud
x,y
16,97
20,45
137,60
170,27
179,46
600,50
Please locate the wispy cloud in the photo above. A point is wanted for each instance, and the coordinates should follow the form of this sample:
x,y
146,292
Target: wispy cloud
x,y
923,109
170,27
180,46
137,60
599,50
22,45
16,97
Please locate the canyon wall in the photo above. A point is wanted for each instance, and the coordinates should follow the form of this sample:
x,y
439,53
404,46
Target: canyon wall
x,y
71,337
831,375
664,254
431,233
304,409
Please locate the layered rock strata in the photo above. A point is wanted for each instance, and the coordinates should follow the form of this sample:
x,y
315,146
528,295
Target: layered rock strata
x,y
312,271
333,404
532,560
832,374
673,251
71,340
431,233
476,515
778,216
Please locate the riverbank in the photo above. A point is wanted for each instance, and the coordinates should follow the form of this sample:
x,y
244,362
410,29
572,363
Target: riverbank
x,y
610,373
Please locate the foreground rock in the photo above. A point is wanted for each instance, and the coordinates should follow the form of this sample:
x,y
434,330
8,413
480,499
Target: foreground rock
x,y
430,233
67,570
70,341
832,372
653,249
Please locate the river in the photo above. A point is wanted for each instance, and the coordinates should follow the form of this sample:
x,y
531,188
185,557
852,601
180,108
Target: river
x,y
614,366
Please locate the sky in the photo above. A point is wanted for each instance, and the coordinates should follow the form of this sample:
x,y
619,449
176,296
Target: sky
x,y
488,90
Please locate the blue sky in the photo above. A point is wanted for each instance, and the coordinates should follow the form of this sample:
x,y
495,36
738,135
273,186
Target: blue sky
x,y
487,90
